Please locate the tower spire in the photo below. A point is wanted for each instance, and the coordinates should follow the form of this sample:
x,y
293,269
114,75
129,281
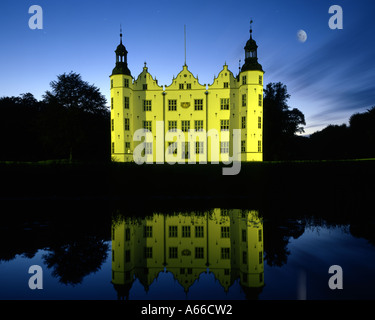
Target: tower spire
x,y
120,34
185,42
251,28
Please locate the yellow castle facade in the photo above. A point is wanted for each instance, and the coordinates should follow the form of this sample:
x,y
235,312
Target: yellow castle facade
x,y
187,121
226,243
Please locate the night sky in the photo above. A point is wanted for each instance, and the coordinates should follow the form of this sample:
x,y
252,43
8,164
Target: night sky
x,y
329,77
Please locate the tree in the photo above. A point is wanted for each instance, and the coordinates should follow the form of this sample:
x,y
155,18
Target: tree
x,y
280,123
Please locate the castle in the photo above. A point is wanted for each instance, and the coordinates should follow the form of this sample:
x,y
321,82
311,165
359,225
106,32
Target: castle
x,y
190,121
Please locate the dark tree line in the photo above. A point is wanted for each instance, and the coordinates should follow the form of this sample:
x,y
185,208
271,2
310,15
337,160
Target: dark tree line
x,y
71,122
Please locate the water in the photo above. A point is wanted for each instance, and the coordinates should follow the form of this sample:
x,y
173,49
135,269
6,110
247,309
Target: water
x,y
216,254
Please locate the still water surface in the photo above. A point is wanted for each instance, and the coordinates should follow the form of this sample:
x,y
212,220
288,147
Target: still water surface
x,y
214,254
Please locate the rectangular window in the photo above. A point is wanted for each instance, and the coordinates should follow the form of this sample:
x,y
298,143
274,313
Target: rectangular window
x,y
185,125
186,231
260,80
172,147
173,231
260,257
147,125
259,100
127,234
244,100
188,86
244,235
172,105
243,146
224,104
225,232
113,147
243,122
199,233
147,232
127,124
127,255
127,147
181,86
244,80
199,147
226,85
198,104
198,125
199,253
145,87
111,103
224,147
172,126
225,253
259,122
148,252
224,125
259,235
146,105
111,84
259,146
244,257
113,124
126,102
173,253
148,147
126,83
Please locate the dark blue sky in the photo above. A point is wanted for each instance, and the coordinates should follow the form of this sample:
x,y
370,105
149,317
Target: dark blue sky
x,y
330,76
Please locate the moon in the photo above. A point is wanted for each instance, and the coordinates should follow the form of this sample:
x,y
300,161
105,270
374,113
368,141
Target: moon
x,y
301,36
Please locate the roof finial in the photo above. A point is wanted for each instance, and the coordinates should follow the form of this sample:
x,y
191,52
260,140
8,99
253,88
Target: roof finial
x,y
251,28
120,34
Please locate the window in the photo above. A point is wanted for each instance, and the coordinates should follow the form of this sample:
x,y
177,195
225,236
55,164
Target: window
x,y
181,86
243,146
259,146
172,252
127,124
113,255
147,125
198,104
173,231
186,231
260,80
244,80
148,252
111,103
243,122
224,104
199,233
226,85
198,125
259,122
147,232
185,125
259,235
199,147
126,102
259,100
244,100
199,253
224,125
111,84
127,255
127,147
172,126
224,147
244,235
126,83
113,147
224,212
188,86
172,147
260,257
172,105
148,147
244,257
225,253
145,87
225,232
113,124
146,105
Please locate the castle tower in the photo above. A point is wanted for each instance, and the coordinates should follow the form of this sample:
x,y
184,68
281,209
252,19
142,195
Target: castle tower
x,y
250,113
121,107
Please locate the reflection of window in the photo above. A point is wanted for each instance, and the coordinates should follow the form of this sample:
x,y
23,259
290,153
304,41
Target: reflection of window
x,y
186,231
148,252
127,255
173,252
260,257
127,234
260,235
225,253
199,231
243,235
225,232
244,257
147,232
172,231
198,253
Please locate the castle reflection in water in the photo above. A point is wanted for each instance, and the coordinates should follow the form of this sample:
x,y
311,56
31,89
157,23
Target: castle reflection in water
x,y
227,243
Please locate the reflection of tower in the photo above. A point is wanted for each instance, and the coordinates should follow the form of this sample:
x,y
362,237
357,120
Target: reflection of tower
x,y
226,243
